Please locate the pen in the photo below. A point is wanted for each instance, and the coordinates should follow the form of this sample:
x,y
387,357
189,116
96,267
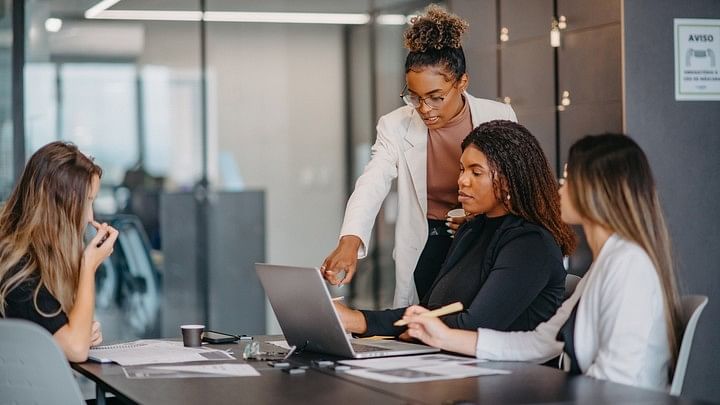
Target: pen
x,y
104,238
289,353
446,310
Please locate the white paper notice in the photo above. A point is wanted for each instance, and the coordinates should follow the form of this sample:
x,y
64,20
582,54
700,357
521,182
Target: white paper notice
x,y
155,352
697,59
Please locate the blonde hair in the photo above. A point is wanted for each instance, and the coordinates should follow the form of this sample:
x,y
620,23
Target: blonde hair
x,y
611,184
41,224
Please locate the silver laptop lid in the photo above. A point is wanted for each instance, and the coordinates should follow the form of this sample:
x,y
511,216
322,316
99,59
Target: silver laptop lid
x,y
302,304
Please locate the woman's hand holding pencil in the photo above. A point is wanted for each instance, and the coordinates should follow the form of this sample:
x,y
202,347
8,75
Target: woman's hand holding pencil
x,y
420,311
425,326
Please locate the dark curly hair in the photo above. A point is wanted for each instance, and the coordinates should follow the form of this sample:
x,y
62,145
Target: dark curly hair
x,y
434,39
521,170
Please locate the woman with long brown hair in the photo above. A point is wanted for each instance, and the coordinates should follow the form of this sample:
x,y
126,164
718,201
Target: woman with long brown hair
x,y
505,263
47,275
622,322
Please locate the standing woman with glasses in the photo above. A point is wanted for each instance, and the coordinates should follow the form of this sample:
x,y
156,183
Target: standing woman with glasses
x,y
419,145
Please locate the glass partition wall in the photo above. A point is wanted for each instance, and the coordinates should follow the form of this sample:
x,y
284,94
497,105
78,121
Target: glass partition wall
x,y
238,95
6,97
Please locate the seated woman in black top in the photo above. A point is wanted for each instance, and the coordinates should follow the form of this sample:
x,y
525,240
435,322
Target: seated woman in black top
x,y
46,275
505,264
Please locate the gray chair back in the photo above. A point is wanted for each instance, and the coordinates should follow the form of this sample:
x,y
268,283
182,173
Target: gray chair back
x,y
33,369
571,281
692,307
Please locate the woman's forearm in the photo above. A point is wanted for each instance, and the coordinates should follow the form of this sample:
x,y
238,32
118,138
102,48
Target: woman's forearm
x,y
460,341
81,314
74,338
355,322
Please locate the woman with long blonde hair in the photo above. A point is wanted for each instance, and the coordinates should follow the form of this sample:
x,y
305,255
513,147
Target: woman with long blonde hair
x,y
47,275
622,322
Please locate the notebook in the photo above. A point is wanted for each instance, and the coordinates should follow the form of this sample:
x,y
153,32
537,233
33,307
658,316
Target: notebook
x,y
102,354
307,316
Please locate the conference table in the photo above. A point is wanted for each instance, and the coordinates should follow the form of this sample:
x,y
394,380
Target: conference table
x,y
526,384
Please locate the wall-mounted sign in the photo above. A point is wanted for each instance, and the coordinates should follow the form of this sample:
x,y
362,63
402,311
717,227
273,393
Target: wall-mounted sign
x,y
697,59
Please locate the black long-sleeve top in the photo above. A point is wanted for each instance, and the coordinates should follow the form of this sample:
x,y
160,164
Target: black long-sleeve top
x,y
507,272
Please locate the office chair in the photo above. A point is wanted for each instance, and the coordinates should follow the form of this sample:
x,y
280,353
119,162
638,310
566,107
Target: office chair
x,y
33,369
692,307
571,281
128,285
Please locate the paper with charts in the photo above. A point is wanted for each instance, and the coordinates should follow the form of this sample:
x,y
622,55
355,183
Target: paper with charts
x,y
191,371
154,352
428,367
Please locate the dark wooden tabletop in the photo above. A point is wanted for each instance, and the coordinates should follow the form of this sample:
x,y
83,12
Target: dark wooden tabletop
x,y
527,383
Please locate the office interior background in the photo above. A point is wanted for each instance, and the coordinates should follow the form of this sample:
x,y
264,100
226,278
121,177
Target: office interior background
x,y
229,138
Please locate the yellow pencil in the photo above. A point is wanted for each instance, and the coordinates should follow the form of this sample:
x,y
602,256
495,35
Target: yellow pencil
x,y
446,310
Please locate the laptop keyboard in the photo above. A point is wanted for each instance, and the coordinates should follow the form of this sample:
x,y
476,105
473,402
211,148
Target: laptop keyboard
x,y
362,348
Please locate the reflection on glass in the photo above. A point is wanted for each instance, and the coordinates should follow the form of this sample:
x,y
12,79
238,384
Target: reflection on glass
x,y
99,114
6,123
128,92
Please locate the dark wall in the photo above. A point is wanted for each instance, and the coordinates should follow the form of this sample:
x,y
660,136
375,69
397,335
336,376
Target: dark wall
x,y
682,140
480,45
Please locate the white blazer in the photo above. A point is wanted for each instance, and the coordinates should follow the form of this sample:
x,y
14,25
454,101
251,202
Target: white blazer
x,y
400,151
620,331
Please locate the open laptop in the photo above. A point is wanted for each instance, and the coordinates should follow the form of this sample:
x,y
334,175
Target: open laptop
x,y
307,316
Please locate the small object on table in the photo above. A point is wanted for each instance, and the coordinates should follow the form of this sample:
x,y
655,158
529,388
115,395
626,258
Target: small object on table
x,y
192,335
294,370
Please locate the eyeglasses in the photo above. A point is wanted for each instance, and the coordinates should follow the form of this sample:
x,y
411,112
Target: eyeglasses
x,y
434,101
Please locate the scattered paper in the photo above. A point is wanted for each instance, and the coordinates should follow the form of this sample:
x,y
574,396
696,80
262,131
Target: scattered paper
x,y
427,367
389,363
446,371
279,343
154,352
191,371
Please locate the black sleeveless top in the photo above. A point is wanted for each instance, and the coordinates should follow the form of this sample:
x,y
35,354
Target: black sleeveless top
x,y
20,303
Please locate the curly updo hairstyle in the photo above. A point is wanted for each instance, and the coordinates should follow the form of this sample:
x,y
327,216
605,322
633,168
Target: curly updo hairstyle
x,y
434,39
522,178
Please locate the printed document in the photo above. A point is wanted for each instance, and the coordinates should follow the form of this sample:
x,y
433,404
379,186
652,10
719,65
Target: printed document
x,y
191,371
154,352
428,367
425,360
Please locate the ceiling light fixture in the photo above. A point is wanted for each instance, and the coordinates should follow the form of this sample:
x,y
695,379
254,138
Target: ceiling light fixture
x,y
100,11
53,24
152,15
288,18
392,19
93,11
